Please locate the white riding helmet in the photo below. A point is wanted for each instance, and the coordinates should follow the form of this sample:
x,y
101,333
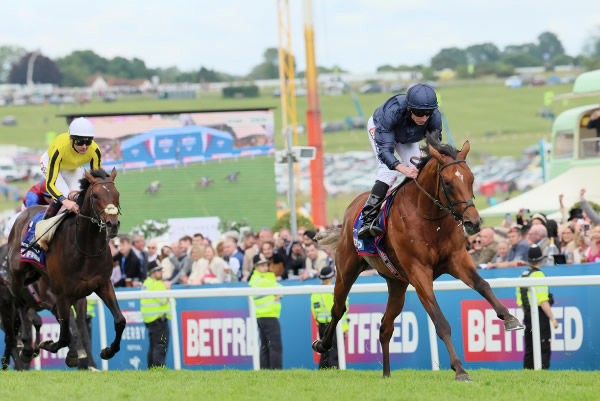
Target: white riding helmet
x,y
81,127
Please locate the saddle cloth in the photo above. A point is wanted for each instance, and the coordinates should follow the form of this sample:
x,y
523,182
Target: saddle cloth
x,y
45,229
42,231
33,255
374,246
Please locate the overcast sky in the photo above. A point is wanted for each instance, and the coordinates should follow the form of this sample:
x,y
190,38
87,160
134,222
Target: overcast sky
x,y
231,35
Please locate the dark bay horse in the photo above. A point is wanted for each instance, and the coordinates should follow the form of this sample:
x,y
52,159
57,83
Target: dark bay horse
x,y
17,322
78,260
423,240
22,312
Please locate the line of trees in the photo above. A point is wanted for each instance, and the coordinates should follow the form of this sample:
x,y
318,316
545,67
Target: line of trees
x,y
486,58
77,67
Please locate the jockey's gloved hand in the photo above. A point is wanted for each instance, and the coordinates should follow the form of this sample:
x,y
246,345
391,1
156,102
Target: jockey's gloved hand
x,y
70,205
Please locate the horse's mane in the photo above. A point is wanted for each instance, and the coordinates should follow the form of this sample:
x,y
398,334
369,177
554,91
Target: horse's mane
x,y
84,184
432,138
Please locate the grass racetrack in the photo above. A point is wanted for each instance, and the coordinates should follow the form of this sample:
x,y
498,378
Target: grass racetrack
x,y
289,385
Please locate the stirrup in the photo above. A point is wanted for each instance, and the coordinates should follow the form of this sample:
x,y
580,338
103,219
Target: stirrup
x,y
375,230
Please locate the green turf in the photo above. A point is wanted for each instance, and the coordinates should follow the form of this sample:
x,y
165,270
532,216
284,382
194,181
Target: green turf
x,y
301,385
251,198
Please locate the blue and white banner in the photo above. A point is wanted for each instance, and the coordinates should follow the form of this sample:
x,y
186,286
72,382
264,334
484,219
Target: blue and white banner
x,y
214,332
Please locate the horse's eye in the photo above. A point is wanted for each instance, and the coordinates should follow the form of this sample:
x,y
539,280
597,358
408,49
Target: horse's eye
x,y
94,196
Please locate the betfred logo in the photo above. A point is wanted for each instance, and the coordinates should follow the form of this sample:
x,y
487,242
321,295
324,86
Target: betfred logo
x,y
362,339
216,337
484,338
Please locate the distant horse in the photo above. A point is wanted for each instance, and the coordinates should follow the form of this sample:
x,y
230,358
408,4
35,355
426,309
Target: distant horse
x,y
423,241
153,188
233,177
78,260
205,182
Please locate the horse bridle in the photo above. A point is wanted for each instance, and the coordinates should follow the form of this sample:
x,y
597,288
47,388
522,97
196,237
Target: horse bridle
x,y
448,209
109,209
97,218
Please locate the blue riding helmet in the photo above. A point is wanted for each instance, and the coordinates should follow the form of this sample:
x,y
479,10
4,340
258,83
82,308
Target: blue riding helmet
x,y
421,97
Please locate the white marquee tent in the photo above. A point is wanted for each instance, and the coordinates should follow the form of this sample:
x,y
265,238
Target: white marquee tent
x,y
545,197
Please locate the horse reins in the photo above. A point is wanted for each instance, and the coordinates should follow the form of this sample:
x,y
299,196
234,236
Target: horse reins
x,y
96,218
448,209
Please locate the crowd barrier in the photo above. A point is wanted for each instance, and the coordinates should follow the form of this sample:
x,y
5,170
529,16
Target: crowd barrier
x,y
215,328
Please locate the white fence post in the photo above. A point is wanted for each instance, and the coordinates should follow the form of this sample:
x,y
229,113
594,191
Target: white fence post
x,y
535,329
433,345
102,327
175,335
253,331
341,345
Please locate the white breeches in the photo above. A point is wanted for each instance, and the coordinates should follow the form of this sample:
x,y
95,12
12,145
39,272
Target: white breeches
x,y
405,150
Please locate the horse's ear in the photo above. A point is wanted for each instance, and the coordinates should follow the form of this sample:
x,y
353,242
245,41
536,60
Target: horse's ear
x,y
90,177
463,152
435,154
113,174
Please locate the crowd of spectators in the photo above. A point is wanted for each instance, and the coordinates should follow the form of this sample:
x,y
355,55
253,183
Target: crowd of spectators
x,y
572,238
196,260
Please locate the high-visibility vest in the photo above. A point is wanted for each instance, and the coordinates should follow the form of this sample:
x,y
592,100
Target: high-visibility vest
x,y
267,305
91,308
321,305
154,308
541,292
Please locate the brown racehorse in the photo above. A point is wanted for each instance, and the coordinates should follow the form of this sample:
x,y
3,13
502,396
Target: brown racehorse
x,y
78,260
21,313
423,240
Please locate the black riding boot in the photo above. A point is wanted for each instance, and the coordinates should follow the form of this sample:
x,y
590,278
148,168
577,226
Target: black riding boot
x,y
370,227
53,208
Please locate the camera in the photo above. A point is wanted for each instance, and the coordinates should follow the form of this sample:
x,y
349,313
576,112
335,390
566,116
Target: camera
x,y
525,211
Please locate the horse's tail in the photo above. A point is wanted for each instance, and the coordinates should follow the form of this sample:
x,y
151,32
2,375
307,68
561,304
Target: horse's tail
x,y
329,237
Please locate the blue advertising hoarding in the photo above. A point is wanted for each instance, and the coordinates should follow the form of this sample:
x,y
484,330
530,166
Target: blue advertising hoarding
x,y
213,332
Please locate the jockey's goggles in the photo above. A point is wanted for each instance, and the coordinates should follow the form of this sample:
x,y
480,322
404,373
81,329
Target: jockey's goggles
x,y
82,140
421,112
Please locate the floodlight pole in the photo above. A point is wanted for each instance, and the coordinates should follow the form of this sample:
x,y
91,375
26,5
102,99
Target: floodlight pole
x,y
291,186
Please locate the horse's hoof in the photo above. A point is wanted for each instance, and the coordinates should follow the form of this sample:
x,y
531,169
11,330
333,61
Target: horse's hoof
x,y
46,344
317,346
513,324
26,355
106,353
71,361
463,377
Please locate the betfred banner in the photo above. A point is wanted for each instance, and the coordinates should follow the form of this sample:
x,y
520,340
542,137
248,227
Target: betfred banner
x,y
216,337
215,333
362,340
484,338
